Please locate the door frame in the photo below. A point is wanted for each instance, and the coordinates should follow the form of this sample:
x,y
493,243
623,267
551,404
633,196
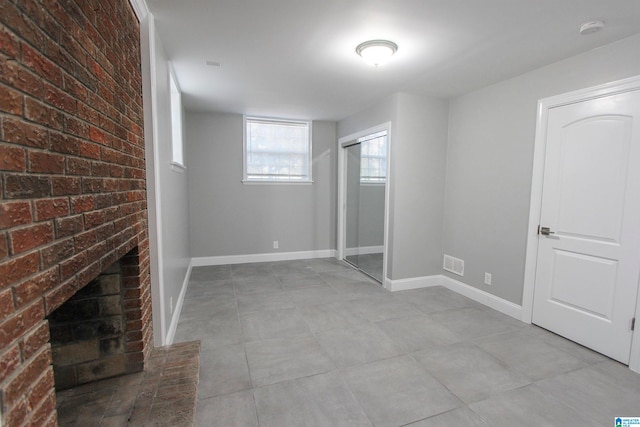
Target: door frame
x,y
544,105
342,191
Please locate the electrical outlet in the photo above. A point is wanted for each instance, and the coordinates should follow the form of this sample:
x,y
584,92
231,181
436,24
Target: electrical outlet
x,y
487,278
275,244
170,305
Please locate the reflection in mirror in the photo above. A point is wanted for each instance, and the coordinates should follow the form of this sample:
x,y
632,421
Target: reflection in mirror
x,y
365,201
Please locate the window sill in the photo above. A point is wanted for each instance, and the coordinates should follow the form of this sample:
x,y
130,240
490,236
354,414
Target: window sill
x,y
177,167
251,182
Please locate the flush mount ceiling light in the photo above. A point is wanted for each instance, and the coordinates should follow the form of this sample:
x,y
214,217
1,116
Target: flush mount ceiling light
x,y
591,27
376,52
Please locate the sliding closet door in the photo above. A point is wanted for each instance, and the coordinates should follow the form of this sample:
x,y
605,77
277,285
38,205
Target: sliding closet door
x,y
353,205
366,166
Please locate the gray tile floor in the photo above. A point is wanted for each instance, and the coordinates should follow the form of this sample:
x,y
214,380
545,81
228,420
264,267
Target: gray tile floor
x,y
372,264
315,343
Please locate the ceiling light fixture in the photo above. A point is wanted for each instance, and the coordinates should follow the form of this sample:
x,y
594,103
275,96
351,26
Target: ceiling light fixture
x,y
376,52
591,27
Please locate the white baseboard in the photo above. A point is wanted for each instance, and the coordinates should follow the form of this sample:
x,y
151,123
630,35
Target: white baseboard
x,y
485,298
171,333
278,256
412,283
364,250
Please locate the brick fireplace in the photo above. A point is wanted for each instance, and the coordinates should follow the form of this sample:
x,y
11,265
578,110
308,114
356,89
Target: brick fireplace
x,y
72,194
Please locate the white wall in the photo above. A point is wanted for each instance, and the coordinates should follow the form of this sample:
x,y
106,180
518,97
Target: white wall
x,y
418,166
232,218
383,111
167,189
418,151
490,160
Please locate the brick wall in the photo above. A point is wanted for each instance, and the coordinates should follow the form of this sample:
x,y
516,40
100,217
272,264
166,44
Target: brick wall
x,y
72,188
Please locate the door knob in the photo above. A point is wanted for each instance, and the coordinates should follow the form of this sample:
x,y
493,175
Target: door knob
x,y
545,231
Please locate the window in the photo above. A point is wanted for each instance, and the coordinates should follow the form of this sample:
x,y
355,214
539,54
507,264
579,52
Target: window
x,y
177,151
277,150
373,158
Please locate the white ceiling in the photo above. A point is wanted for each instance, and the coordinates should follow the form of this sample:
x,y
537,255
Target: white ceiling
x,y
296,58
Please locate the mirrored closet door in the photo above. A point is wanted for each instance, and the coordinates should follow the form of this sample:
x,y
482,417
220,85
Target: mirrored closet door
x,y
366,169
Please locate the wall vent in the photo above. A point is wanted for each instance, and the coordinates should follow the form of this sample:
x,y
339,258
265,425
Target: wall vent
x,y
453,265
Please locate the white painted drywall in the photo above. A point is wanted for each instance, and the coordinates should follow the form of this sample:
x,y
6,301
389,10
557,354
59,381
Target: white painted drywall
x,y
231,218
169,215
490,160
418,151
418,168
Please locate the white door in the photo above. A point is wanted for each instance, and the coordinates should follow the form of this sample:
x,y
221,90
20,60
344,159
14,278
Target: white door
x,y
588,265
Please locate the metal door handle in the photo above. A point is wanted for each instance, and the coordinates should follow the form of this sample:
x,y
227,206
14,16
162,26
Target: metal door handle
x,y
545,231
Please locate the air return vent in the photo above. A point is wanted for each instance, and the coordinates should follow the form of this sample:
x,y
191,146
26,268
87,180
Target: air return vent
x,y
454,265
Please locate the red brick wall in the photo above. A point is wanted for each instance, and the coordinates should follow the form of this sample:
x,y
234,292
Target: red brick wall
x,y
72,187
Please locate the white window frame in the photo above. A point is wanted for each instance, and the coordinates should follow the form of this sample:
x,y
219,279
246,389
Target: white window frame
x,y
248,180
177,128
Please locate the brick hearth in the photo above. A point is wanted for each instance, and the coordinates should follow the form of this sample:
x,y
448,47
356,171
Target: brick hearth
x,y
72,183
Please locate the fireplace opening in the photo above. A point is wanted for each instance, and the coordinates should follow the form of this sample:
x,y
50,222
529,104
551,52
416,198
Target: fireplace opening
x,y
95,334
87,332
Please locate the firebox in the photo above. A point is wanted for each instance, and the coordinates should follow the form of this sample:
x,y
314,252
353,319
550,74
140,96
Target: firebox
x,y
88,333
